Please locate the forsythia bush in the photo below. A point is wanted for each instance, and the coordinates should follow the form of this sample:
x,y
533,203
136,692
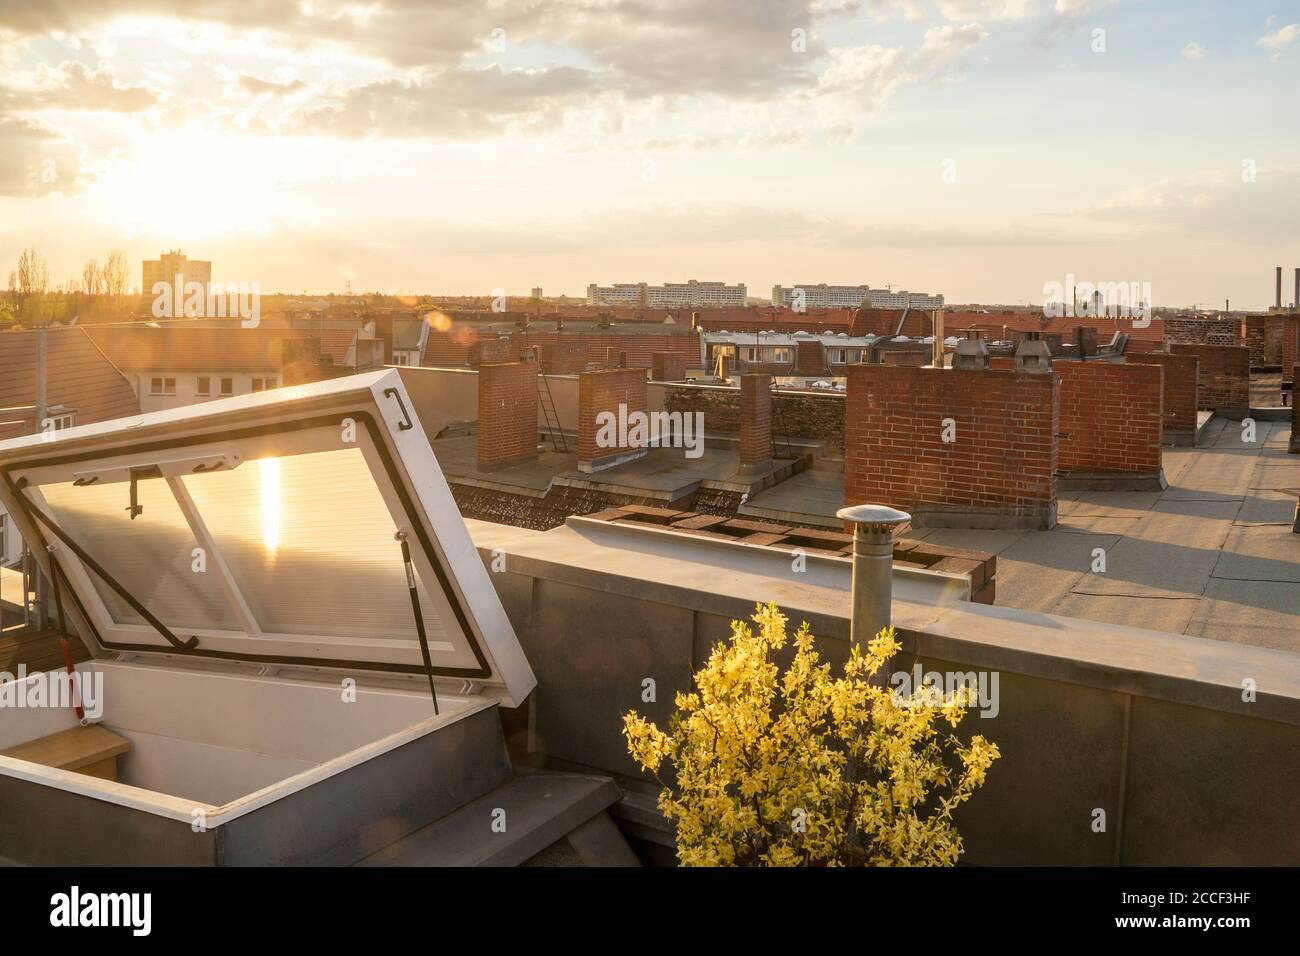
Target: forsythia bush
x,y
806,769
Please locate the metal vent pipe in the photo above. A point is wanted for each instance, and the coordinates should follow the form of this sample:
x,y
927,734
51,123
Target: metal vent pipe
x,y
873,568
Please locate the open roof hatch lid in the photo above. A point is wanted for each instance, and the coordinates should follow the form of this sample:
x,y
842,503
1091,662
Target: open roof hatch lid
x,y
264,528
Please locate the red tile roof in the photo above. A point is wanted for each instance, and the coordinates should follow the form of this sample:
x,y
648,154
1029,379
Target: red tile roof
x,y
198,349
78,375
994,323
335,342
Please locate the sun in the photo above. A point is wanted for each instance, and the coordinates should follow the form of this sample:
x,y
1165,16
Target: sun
x,y
187,186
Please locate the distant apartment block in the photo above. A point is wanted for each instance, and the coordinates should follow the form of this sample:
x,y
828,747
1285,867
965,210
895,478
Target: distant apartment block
x,y
690,294
172,264
823,296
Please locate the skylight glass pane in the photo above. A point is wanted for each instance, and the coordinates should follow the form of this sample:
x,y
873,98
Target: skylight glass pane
x,y
309,542
152,555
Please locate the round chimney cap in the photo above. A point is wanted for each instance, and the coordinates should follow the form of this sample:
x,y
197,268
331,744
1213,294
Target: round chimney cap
x,y
873,514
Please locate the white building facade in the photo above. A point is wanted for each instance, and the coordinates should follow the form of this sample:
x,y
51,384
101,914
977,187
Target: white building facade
x,y
823,296
689,294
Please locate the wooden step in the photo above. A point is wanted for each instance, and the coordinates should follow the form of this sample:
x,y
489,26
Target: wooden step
x,y
91,750
518,820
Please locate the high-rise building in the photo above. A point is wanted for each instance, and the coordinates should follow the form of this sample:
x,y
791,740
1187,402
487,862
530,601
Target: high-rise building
x,y
171,264
823,296
690,294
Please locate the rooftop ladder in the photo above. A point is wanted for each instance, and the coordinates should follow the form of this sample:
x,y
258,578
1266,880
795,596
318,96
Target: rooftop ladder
x,y
549,413
778,421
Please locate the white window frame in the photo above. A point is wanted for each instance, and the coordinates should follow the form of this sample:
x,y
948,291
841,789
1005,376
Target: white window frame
x,y
162,385
200,388
222,385
252,640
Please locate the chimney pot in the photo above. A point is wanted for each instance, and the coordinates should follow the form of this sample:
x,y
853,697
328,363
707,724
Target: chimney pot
x,y
873,568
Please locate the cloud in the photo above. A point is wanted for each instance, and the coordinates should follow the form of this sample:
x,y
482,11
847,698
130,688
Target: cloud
x,y
1077,8
255,86
463,68
771,139
1218,205
986,9
35,160
1065,18
451,103
943,44
74,86
1279,39
888,9
862,78
1193,51
670,48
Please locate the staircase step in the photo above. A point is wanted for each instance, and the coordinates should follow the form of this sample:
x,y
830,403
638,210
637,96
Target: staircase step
x,y
91,749
540,809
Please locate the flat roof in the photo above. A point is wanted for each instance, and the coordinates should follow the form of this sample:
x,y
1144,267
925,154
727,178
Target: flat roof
x,y
1213,555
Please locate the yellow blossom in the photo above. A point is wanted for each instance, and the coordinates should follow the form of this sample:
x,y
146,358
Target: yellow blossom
x,y
802,768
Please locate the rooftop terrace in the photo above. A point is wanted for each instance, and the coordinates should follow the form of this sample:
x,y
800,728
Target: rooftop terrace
x,y
1212,555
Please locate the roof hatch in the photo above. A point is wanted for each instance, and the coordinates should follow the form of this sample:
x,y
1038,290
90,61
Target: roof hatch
x,y
268,528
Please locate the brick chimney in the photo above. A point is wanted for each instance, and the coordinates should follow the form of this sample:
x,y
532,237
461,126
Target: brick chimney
x,y
668,366
567,355
916,358
507,414
810,357
608,440
755,423
491,351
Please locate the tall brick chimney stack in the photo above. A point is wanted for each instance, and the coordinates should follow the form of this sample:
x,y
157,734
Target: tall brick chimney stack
x,y
755,423
620,392
507,414
1279,287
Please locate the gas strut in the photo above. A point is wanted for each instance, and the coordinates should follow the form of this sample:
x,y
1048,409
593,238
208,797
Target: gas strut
x,y
64,644
419,617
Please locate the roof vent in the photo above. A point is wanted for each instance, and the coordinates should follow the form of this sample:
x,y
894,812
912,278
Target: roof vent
x,y
1032,354
972,353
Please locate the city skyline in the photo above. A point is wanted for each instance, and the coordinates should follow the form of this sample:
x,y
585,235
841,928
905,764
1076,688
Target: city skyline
x,y
463,150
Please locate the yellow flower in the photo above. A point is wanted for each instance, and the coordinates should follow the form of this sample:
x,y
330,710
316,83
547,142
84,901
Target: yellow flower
x,y
800,767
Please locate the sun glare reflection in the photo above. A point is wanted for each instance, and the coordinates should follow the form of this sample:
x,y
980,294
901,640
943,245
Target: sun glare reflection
x,y
270,503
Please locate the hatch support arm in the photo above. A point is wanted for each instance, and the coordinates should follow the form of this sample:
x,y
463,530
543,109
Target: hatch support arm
x,y
419,617
38,515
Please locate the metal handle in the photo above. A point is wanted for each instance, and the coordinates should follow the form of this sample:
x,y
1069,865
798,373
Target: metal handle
x,y
405,424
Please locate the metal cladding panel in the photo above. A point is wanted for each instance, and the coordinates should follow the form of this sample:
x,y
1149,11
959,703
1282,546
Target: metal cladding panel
x,y
44,826
345,818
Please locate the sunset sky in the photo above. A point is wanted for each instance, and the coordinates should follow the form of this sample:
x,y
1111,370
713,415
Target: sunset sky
x,y
978,148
